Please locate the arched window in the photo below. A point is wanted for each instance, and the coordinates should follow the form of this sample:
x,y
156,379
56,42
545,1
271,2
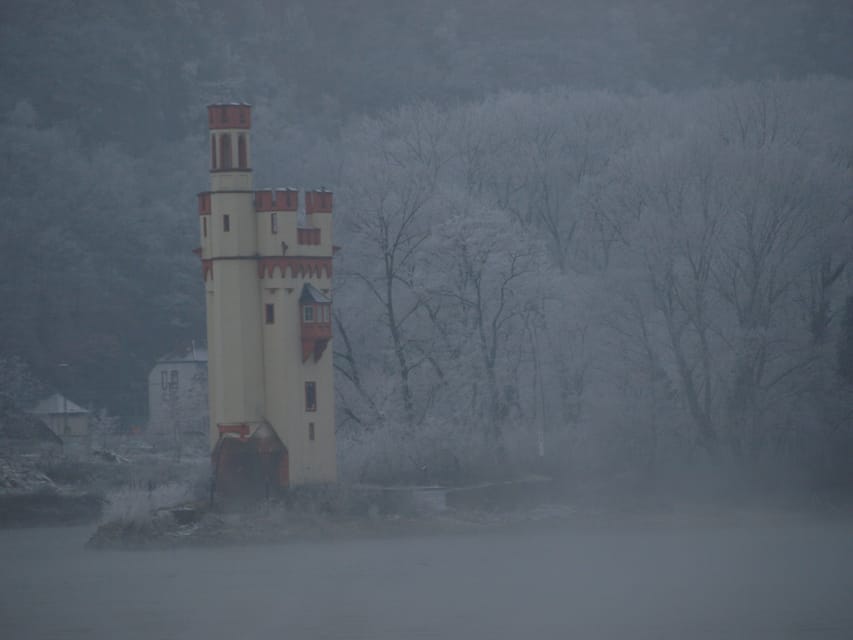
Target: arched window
x,y
242,159
225,151
213,152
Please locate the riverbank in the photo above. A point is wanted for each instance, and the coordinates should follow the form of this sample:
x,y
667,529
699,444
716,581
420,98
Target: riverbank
x,y
50,490
351,513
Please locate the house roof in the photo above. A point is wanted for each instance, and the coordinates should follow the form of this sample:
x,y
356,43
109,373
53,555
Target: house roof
x,y
23,426
56,404
310,293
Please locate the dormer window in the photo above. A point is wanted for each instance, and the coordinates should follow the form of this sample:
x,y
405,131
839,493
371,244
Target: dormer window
x,y
308,313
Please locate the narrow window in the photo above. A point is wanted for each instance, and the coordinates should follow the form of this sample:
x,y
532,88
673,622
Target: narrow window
x,y
270,313
213,152
325,308
225,151
242,159
310,396
173,379
311,431
308,313
204,225
164,380
226,222
273,223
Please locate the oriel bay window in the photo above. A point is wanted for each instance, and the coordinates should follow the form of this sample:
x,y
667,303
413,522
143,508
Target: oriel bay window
x,y
316,325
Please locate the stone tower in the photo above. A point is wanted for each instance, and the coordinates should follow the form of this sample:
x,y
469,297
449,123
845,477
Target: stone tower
x,y
267,270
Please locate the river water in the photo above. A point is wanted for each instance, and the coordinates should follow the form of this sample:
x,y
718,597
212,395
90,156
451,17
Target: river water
x,y
773,581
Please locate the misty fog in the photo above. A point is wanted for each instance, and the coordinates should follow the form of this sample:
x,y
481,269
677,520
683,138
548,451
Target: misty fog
x,y
598,246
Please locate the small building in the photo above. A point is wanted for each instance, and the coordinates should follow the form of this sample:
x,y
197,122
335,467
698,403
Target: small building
x,y
177,396
63,417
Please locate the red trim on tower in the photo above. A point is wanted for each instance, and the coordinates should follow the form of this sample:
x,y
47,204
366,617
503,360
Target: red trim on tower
x,y
229,116
204,203
300,266
241,429
277,200
315,339
319,201
307,236
317,347
284,469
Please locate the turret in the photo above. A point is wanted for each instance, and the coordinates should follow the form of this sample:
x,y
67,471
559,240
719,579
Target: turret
x,y
229,140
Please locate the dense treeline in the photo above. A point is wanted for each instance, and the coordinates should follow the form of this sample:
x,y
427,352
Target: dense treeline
x,y
624,282
609,274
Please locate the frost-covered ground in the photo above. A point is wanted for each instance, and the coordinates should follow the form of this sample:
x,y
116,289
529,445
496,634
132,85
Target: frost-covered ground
x,y
747,577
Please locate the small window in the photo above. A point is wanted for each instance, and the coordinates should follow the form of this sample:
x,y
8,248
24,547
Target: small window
x,y
310,396
226,222
308,313
204,225
311,431
325,309
173,379
273,223
270,314
164,380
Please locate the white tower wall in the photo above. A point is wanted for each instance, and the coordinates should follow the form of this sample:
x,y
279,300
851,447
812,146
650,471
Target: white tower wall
x,y
261,357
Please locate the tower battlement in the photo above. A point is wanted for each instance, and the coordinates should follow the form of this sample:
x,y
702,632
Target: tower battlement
x,y
277,200
204,203
229,116
318,201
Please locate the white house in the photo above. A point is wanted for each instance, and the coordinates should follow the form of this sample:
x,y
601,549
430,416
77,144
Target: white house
x,y
177,396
